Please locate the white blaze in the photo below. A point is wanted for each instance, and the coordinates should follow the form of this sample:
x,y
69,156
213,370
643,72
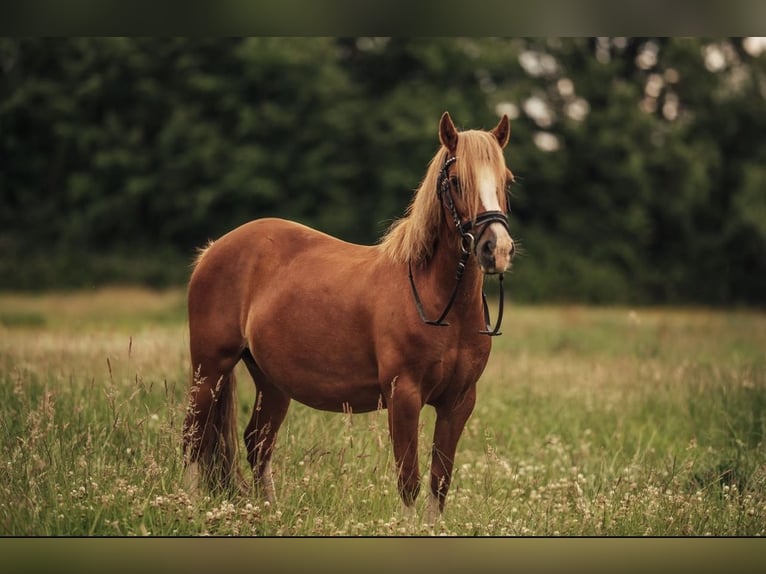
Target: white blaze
x,y
488,190
490,202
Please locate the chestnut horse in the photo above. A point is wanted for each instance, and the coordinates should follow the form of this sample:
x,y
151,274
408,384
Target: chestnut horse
x,y
344,327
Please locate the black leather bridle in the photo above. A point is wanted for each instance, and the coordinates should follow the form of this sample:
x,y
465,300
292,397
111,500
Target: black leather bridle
x,y
468,243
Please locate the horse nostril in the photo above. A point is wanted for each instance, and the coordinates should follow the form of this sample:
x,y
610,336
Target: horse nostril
x,y
512,250
489,247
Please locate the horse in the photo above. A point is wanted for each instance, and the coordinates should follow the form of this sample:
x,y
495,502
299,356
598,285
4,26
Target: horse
x,y
344,327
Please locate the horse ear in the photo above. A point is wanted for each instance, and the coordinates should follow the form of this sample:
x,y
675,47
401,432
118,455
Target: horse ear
x,y
502,131
448,133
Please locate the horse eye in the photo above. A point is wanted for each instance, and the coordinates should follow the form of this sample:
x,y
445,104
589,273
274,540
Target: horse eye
x,y
455,182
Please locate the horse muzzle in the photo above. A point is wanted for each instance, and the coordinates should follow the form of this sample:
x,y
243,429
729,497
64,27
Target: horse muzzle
x,y
495,250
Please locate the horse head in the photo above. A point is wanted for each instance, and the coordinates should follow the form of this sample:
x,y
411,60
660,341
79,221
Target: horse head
x,y
473,186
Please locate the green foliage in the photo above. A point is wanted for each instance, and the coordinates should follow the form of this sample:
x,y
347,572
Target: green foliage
x,y
121,155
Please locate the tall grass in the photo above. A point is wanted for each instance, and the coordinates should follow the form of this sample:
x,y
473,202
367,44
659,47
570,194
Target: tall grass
x,y
589,421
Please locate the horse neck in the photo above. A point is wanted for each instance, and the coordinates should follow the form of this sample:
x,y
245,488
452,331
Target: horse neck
x,y
441,269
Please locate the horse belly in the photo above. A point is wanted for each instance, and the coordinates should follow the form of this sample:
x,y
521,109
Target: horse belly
x,y
322,369
309,321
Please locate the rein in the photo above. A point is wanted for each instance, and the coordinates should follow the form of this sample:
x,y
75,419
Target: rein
x,y
467,244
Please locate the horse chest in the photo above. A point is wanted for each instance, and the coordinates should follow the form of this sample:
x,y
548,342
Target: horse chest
x,y
456,370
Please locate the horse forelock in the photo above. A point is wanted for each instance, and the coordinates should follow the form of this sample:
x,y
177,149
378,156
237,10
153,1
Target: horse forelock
x,y
478,155
411,239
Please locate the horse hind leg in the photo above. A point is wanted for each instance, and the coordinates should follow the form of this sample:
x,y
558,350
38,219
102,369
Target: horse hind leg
x,y
210,425
269,412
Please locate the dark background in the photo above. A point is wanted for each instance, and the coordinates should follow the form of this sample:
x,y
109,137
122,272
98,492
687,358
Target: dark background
x,y
641,162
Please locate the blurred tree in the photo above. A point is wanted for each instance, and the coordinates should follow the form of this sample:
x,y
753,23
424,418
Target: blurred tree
x,y
640,161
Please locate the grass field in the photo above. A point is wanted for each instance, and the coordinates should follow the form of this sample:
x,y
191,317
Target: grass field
x,y
589,421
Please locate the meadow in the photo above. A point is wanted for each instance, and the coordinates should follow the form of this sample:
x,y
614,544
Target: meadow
x,y
590,421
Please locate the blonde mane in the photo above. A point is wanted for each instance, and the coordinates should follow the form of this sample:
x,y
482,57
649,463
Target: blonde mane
x,y
411,239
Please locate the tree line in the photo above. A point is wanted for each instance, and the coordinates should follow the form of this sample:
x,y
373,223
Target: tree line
x,y
641,162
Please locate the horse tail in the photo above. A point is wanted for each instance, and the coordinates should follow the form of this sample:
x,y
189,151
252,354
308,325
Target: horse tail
x,y
226,426
201,253
210,430
213,443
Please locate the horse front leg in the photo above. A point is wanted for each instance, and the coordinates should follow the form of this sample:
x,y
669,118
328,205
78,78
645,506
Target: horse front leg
x,y
450,422
404,404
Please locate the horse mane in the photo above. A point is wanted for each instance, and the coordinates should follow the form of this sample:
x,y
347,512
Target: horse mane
x,y
411,239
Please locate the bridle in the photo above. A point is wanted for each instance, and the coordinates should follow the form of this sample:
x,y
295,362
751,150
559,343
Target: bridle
x,y
468,243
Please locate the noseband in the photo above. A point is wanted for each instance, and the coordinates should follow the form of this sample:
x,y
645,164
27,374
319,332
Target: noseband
x,y
468,243
483,220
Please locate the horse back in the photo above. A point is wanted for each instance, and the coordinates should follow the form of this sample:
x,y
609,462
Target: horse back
x,y
287,292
